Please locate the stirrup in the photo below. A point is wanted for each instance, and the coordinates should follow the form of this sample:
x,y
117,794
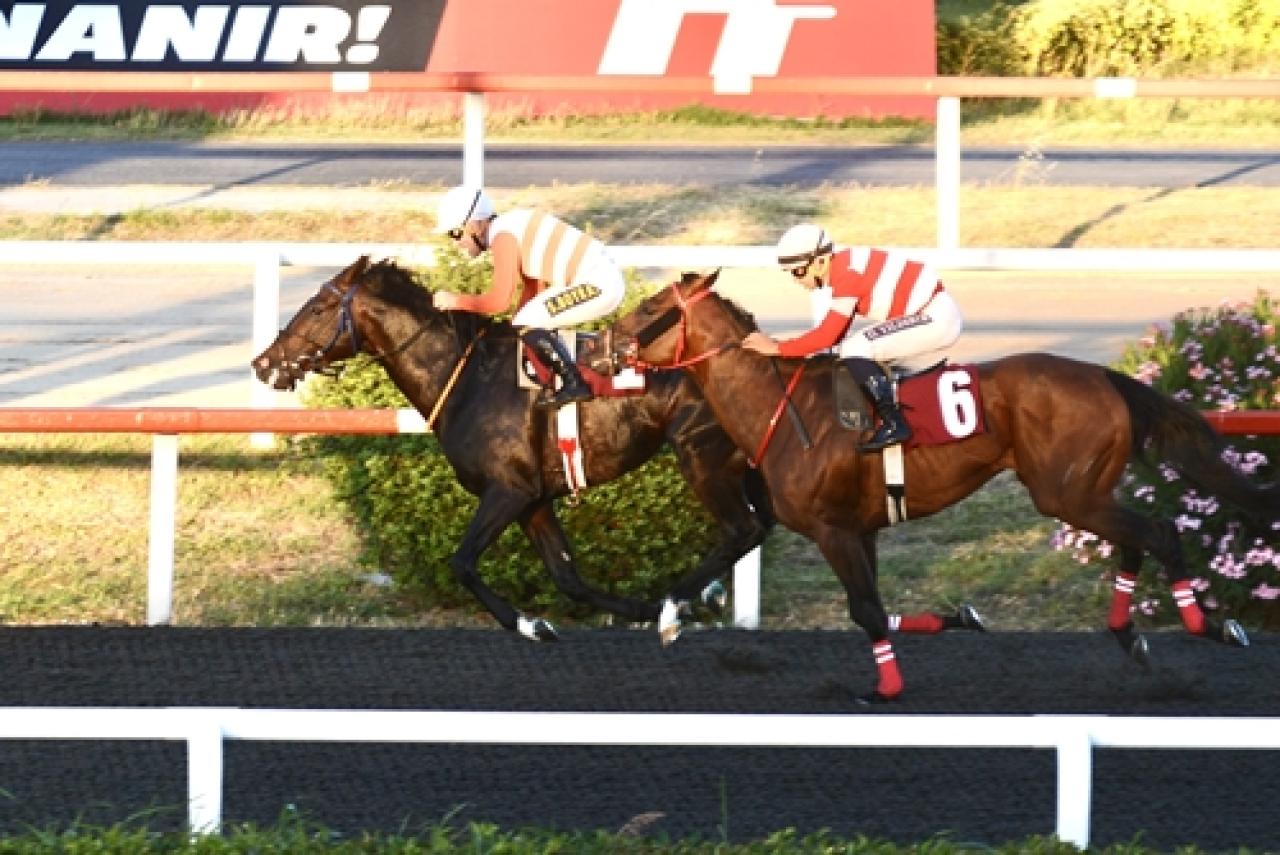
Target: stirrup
x,y
886,435
570,394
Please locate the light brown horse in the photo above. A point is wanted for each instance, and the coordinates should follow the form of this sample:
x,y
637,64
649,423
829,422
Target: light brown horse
x,y
1066,428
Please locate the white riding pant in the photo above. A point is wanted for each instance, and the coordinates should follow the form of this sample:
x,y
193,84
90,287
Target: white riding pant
x,y
598,292
911,341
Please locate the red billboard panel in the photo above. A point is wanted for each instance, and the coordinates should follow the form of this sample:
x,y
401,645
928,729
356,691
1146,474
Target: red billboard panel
x,y
732,42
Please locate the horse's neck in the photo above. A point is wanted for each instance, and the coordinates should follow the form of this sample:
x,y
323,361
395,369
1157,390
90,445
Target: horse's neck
x,y
420,356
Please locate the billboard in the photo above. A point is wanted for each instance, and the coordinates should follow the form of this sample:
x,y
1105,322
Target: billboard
x,y
731,42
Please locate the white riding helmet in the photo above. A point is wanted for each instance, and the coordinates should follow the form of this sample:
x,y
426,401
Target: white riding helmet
x,y
802,243
461,205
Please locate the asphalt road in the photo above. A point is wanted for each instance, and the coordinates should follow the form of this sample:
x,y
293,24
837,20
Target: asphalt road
x,y
266,164
144,336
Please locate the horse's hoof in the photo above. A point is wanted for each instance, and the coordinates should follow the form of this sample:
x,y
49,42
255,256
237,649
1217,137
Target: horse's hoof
x,y
1233,633
1134,644
536,629
669,621
970,619
874,698
1140,652
715,596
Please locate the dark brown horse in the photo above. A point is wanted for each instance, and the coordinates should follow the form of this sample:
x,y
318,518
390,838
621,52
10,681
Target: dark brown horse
x,y
1066,428
458,369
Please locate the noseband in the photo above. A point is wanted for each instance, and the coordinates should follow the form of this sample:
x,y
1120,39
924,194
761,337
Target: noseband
x,y
678,313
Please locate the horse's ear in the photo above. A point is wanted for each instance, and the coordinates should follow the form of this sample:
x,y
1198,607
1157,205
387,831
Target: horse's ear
x,y
712,277
356,270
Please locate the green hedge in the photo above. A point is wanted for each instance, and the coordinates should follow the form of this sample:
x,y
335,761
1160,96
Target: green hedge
x,y
633,536
1088,38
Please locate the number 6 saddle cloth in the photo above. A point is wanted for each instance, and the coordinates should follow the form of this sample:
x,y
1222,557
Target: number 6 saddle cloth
x,y
942,404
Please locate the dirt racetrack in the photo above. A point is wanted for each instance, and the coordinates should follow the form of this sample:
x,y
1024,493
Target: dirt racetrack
x,y
1218,800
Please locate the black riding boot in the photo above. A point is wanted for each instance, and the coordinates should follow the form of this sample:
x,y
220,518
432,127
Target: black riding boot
x,y
554,355
893,427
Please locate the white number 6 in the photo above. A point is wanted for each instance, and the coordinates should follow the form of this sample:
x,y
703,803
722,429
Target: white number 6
x,y
956,403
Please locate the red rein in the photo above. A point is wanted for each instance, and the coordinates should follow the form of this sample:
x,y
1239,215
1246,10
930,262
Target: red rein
x,y
679,362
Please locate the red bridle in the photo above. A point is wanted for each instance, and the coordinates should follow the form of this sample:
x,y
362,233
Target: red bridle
x,y
685,306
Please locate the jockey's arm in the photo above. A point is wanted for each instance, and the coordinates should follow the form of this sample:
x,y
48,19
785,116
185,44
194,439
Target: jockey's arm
x,y
506,279
826,334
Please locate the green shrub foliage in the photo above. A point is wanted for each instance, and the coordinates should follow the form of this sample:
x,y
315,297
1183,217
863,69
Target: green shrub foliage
x,y
1090,38
1223,358
633,536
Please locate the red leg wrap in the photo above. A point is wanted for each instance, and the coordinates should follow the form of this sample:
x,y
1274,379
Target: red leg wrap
x,y
926,623
1185,598
1121,598
890,685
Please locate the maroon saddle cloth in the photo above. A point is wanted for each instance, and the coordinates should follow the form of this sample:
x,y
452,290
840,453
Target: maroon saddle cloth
x,y
942,404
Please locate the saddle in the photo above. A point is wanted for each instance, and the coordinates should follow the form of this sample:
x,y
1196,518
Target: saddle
x,y
942,403
589,349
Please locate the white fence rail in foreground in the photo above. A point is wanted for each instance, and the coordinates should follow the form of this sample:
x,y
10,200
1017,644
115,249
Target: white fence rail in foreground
x,y
206,729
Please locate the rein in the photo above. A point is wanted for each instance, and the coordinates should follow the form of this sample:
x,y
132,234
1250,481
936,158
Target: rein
x,y
452,381
777,415
683,309
347,324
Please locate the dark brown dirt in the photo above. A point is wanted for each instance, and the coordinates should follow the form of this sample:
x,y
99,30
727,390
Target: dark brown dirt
x,y
1217,800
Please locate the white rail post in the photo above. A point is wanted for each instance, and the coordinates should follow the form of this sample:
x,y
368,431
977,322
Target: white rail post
x,y
164,501
266,324
947,176
473,115
1075,784
746,590
204,774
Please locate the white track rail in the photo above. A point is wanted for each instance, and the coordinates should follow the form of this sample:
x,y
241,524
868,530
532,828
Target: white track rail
x,y
205,730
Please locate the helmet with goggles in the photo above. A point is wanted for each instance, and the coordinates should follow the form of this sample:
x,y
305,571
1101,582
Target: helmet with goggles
x,y
802,243
460,206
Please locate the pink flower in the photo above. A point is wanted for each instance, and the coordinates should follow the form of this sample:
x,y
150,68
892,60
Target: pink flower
x,y
1265,592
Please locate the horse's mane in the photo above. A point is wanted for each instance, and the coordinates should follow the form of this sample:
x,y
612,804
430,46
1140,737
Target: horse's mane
x,y
411,290
740,315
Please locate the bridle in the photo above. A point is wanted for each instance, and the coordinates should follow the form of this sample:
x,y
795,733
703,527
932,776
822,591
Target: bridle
x,y
679,313
347,325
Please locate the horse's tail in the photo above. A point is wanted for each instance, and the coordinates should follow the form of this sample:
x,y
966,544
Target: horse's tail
x,y
1168,430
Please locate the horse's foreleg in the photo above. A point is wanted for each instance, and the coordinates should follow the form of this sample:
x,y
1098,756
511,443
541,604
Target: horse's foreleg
x,y
498,509
743,527
932,623
848,556
543,530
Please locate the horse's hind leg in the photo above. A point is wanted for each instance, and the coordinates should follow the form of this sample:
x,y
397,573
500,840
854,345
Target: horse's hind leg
x,y
1134,532
1119,618
548,538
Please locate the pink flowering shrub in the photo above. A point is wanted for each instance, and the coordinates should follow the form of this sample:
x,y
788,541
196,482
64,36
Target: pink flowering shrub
x,y
1214,359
